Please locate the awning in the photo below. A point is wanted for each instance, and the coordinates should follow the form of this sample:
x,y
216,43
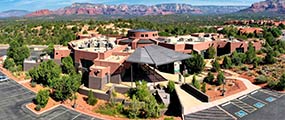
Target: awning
x,y
156,55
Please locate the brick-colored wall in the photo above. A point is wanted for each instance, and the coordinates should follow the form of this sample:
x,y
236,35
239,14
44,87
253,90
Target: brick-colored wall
x,y
58,54
138,35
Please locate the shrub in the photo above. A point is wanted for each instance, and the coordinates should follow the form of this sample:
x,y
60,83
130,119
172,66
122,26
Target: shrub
x,y
261,79
272,84
33,84
227,63
171,86
195,82
220,78
216,66
38,108
91,98
169,118
209,78
244,68
42,98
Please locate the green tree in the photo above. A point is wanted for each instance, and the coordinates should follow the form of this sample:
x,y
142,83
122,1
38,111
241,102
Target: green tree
x,y
281,83
45,73
85,32
209,78
49,49
171,86
220,78
195,82
216,66
250,54
42,98
195,64
149,108
10,64
227,63
66,86
91,100
211,52
269,58
18,51
67,65
237,58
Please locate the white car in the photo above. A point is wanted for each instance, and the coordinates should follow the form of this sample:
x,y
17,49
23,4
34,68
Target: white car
x,y
3,78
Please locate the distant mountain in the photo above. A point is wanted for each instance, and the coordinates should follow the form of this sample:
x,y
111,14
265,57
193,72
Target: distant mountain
x,y
268,6
13,13
102,9
220,9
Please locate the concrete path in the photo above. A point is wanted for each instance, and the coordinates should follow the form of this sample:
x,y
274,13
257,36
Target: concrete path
x,y
191,104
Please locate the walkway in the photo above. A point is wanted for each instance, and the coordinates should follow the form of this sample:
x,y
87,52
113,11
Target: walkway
x,y
191,104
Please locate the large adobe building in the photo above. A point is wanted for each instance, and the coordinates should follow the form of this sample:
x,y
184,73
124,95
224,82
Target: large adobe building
x,y
102,60
98,58
197,42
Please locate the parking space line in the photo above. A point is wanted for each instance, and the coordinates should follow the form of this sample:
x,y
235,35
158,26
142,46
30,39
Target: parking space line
x,y
226,104
271,94
256,99
59,114
243,105
92,118
253,92
227,112
76,116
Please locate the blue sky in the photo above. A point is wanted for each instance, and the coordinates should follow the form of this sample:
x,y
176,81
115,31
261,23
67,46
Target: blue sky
x,y
32,5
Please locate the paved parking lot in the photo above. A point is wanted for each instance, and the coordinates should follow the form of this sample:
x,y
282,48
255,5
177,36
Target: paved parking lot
x,y
259,105
13,98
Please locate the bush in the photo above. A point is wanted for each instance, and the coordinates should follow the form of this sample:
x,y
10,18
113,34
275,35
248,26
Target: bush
x,y
216,66
227,63
195,82
220,78
38,108
171,86
272,84
169,118
244,68
33,84
261,79
209,78
42,98
91,98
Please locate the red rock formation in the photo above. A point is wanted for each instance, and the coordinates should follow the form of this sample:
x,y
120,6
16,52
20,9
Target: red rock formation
x,y
277,6
43,12
95,9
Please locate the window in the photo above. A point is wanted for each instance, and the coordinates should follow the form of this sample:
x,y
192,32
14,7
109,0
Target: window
x,y
146,35
142,35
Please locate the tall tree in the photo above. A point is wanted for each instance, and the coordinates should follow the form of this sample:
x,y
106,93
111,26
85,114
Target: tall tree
x,y
227,63
211,52
45,73
250,53
67,65
195,64
216,66
18,51
220,78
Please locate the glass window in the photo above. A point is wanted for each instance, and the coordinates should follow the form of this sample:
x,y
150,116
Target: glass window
x,y
142,35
